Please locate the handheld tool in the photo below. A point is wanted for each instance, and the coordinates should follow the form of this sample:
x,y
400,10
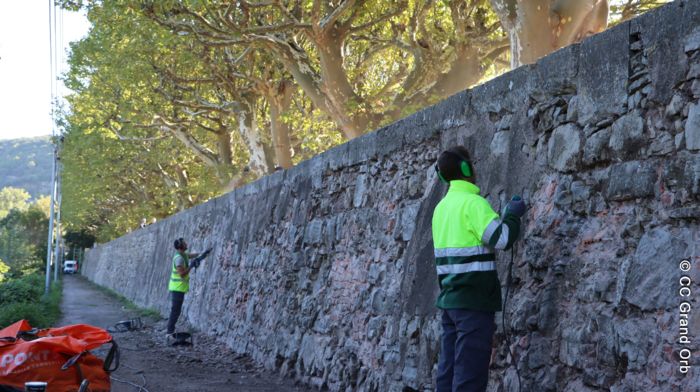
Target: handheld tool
x,y
198,260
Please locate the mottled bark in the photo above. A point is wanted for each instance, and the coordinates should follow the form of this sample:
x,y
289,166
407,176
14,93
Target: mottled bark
x,y
248,128
279,98
539,27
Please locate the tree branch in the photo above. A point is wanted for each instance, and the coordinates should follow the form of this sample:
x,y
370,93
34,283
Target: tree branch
x,y
202,152
373,23
329,21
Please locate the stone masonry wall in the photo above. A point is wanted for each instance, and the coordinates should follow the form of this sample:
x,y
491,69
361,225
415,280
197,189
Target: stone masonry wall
x,y
325,271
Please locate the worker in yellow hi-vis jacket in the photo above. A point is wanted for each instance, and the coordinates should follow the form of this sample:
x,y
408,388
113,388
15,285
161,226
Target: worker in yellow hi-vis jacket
x,y
179,283
466,231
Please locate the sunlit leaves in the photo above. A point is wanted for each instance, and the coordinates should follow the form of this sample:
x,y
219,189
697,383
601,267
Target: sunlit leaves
x,y
13,198
23,233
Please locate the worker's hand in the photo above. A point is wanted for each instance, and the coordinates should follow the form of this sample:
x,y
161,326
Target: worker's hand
x,y
516,206
195,263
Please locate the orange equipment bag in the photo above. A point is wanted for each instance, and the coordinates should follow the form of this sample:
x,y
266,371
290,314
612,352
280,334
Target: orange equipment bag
x,y
57,356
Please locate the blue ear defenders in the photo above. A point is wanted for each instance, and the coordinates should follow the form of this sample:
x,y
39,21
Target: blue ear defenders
x,y
464,167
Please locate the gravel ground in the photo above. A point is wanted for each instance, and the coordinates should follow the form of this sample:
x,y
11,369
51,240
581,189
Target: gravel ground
x,y
148,364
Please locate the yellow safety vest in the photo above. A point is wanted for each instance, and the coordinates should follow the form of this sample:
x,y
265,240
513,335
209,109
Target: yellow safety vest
x,y
177,282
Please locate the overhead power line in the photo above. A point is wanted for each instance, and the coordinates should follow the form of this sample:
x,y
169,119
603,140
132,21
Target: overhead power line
x,y
55,60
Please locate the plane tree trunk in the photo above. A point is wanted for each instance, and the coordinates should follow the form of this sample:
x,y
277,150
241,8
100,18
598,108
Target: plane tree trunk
x,y
539,27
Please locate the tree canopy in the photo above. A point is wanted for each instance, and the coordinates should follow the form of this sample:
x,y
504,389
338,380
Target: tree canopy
x,y
178,101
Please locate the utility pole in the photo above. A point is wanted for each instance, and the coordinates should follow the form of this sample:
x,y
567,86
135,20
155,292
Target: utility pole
x,y
58,256
51,214
55,154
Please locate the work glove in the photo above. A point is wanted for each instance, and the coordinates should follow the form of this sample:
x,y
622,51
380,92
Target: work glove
x,y
516,206
196,262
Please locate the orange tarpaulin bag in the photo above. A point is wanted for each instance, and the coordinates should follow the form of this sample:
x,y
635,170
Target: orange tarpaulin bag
x,y
58,356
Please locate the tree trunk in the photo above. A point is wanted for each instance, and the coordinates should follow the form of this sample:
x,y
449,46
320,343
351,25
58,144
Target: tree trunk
x,y
465,71
248,127
297,63
279,99
336,86
539,27
223,139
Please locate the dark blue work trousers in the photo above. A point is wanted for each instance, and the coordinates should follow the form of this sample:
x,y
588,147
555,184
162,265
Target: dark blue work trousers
x,y
176,300
465,350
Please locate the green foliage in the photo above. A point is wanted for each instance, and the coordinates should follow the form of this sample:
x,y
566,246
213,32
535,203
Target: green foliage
x,y
23,298
24,289
118,166
622,10
12,198
43,204
23,237
26,164
79,239
313,130
174,100
4,269
153,126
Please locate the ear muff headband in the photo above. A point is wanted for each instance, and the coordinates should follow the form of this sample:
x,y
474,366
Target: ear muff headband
x,y
442,179
464,166
178,243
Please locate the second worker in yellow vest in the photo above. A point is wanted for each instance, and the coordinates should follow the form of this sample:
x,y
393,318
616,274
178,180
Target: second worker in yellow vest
x,y
179,281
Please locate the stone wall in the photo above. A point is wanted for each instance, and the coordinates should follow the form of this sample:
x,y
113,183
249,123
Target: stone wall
x,y
325,271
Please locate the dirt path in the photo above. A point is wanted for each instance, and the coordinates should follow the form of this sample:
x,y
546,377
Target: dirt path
x,y
147,361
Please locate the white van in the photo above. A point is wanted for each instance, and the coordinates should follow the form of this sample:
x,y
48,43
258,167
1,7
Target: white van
x,y
70,267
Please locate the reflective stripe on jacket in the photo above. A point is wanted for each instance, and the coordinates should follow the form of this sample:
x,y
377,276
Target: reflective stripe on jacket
x,y
177,282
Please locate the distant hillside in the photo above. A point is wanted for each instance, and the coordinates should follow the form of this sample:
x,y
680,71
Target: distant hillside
x,y
26,163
